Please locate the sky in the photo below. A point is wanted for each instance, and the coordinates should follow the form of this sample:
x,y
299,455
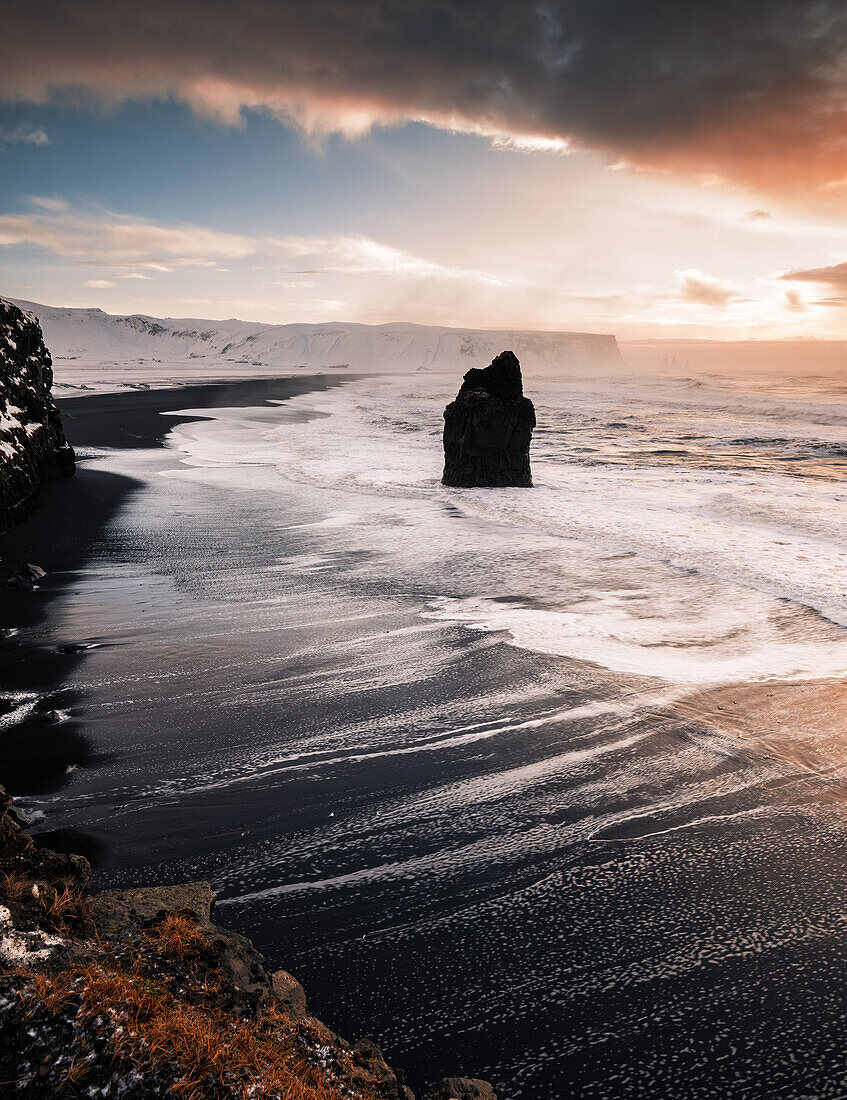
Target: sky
x,y
643,167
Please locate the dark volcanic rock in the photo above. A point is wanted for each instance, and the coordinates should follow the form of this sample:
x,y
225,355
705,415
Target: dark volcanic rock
x,y
243,983
289,994
115,910
33,447
377,1071
18,854
488,428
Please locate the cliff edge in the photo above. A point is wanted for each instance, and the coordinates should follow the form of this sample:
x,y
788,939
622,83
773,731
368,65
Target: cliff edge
x,y
33,448
137,994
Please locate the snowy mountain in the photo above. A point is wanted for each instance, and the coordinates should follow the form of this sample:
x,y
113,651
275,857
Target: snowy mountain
x,y
91,336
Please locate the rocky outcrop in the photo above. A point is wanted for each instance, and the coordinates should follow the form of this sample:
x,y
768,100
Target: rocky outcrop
x,y
115,910
290,994
136,993
488,428
33,447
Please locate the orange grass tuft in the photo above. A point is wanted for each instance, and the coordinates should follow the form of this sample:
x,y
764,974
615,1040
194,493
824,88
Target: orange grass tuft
x,y
204,1047
77,1072
15,887
178,938
53,992
65,903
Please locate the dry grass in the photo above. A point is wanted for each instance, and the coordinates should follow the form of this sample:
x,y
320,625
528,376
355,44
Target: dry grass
x,y
178,939
77,1072
15,887
63,903
209,1051
53,992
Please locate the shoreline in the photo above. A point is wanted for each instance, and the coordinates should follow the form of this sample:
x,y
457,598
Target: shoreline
x,y
143,418
59,534
78,509
38,754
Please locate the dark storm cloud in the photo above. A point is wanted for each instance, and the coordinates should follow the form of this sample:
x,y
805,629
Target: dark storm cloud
x,y
751,87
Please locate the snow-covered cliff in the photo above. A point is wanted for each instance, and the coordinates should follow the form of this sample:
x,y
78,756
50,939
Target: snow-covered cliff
x,y
91,336
33,447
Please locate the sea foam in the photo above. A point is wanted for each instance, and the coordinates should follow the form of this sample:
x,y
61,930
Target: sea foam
x,y
701,530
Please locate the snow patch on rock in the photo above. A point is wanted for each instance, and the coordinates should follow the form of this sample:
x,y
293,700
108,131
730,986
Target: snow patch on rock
x,y
19,948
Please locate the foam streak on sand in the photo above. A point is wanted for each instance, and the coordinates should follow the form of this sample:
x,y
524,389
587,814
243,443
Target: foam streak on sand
x,y
481,792
309,761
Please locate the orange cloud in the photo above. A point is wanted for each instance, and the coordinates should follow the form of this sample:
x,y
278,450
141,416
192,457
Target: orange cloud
x,y
796,147
835,275
697,287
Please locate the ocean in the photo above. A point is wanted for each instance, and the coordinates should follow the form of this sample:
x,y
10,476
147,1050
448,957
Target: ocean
x,y
543,786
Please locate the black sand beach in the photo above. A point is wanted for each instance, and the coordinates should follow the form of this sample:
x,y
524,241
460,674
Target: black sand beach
x,y
498,863
62,535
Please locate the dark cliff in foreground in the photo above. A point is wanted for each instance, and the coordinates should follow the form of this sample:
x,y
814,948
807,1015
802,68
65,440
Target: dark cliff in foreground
x,y
137,994
33,447
488,428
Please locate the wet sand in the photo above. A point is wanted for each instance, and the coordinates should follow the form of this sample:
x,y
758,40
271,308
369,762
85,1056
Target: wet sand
x,y
801,723
64,532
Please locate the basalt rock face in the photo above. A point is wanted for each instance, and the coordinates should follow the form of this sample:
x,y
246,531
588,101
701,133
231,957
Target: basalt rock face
x,y
488,428
33,447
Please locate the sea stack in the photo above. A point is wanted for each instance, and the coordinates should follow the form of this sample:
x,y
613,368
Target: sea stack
x,y
488,428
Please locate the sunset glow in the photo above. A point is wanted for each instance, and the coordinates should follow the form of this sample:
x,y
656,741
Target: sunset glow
x,y
464,166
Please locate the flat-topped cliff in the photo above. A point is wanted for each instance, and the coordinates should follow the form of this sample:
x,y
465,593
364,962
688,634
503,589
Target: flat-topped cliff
x,y
92,336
